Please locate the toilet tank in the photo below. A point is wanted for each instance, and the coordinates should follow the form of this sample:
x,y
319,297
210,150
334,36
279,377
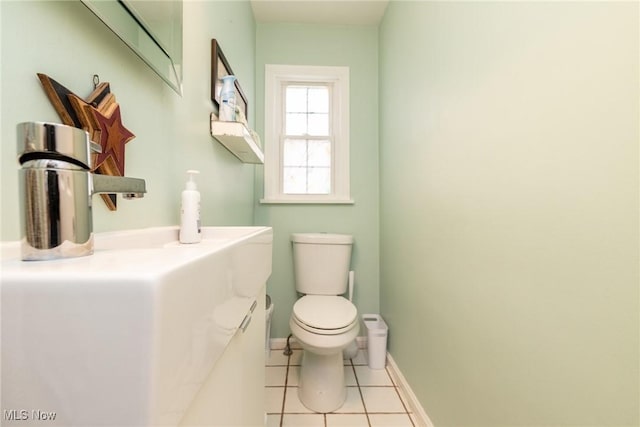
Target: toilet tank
x,y
321,262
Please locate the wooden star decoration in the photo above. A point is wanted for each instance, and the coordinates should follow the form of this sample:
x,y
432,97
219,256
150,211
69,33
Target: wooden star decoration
x,y
58,96
100,116
114,136
104,123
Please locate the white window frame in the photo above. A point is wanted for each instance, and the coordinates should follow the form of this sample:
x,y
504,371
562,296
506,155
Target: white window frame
x,y
276,76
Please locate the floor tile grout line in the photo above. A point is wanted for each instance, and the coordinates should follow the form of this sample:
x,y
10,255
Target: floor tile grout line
x,y
397,387
364,406
386,369
377,386
338,413
403,405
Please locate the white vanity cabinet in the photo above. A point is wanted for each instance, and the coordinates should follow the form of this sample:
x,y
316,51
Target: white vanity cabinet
x,y
233,394
146,332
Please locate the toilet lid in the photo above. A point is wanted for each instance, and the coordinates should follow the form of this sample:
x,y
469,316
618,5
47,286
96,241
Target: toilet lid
x,y
325,311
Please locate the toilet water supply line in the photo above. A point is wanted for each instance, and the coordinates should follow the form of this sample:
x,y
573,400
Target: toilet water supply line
x,y
287,349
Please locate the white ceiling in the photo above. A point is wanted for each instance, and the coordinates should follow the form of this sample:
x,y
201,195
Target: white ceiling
x,y
343,12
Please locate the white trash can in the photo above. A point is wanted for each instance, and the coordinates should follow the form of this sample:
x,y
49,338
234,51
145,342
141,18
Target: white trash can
x,y
377,331
269,313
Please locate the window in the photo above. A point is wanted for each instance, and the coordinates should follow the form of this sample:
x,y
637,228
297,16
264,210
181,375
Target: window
x,y
307,134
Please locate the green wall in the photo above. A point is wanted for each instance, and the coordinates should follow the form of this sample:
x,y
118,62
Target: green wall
x,y
66,41
357,48
509,209
496,199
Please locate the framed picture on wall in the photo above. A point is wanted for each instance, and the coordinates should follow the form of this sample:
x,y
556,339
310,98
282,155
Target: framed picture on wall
x,y
219,68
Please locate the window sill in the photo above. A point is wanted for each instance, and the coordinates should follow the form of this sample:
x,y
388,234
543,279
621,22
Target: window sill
x,y
307,202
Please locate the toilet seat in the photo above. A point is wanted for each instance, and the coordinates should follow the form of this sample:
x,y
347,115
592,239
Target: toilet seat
x,y
325,314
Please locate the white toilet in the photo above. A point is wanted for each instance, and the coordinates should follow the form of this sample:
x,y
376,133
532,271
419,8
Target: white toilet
x,y
322,321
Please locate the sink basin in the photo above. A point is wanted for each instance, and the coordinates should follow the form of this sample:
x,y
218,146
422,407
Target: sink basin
x,y
126,336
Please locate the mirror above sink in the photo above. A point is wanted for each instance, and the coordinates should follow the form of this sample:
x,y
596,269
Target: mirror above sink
x,y
151,28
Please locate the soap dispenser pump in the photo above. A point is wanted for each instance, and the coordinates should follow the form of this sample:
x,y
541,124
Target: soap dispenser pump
x,y
190,231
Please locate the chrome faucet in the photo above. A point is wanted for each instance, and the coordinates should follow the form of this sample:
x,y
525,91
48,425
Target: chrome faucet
x,y
56,189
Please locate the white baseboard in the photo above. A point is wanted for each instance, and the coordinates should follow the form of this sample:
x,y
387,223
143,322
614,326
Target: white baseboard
x,y
420,417
280,343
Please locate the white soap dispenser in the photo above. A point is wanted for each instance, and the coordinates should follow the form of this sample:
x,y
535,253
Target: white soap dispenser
x,y
190,212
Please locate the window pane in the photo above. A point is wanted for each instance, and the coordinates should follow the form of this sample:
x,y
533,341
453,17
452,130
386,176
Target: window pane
x,y
295,152
319,181
319,99
320,153
309,147
296,124
294,180
296,99
318,124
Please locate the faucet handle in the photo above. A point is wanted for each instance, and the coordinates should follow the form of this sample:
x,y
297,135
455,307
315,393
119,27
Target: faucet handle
x,y
40,140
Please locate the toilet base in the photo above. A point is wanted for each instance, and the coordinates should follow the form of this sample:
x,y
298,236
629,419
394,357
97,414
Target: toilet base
x,y
321,386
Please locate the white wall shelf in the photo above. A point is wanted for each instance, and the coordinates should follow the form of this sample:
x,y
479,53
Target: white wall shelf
x,y
238,139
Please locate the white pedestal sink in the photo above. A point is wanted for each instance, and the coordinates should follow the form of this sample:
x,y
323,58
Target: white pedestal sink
x,y
127,336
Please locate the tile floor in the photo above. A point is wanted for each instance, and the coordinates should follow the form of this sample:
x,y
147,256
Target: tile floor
x,y
372,397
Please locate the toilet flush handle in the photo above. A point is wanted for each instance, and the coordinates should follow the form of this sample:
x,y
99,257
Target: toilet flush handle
x,y
351,281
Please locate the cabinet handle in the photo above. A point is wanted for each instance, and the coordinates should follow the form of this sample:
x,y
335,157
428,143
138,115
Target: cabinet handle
x,y
253,306
245,323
